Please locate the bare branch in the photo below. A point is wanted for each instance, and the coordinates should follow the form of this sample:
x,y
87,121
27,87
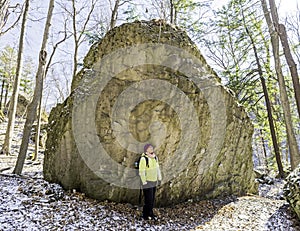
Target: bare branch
x,y
55,48
16,22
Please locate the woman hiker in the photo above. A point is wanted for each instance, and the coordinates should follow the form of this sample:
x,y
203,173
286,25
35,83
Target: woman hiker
x,y
150,176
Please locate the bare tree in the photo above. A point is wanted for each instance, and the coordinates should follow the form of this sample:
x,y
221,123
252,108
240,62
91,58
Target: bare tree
x,y
3,12
114,14
8,63
292,23
293,147
6,148
78,33
32,108
40,108
281,30
115,11
291,63
159,9
172,12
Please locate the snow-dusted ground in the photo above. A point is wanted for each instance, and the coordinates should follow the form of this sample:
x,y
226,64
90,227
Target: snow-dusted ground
x,y
28,202
33,204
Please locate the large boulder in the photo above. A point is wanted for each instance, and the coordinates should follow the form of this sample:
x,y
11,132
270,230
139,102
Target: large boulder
x,y
146,82
292,190
23,103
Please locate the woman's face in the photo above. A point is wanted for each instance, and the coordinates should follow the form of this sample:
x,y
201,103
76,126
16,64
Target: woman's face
x,y
150,149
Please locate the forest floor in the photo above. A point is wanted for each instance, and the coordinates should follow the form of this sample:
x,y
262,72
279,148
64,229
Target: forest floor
x,y
28,202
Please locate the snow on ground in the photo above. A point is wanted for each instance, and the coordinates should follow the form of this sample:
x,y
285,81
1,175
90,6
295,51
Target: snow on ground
x,y
28,202
252,213
33,204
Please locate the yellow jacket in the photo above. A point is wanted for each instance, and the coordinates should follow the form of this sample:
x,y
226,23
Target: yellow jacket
x,y
151,173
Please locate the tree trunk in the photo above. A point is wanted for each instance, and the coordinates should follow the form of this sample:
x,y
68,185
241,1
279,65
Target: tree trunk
x,y
272,127
114,14
294,153
171,12
268,106
3,12
1,96
6,148
264,150
38,131
256,149
32,108
291,63
7,86
75,39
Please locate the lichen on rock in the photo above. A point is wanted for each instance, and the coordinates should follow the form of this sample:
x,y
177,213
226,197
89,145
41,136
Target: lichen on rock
x,y
147,82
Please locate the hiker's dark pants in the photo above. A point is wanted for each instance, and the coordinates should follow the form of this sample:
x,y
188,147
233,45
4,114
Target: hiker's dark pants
x,y
149,196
